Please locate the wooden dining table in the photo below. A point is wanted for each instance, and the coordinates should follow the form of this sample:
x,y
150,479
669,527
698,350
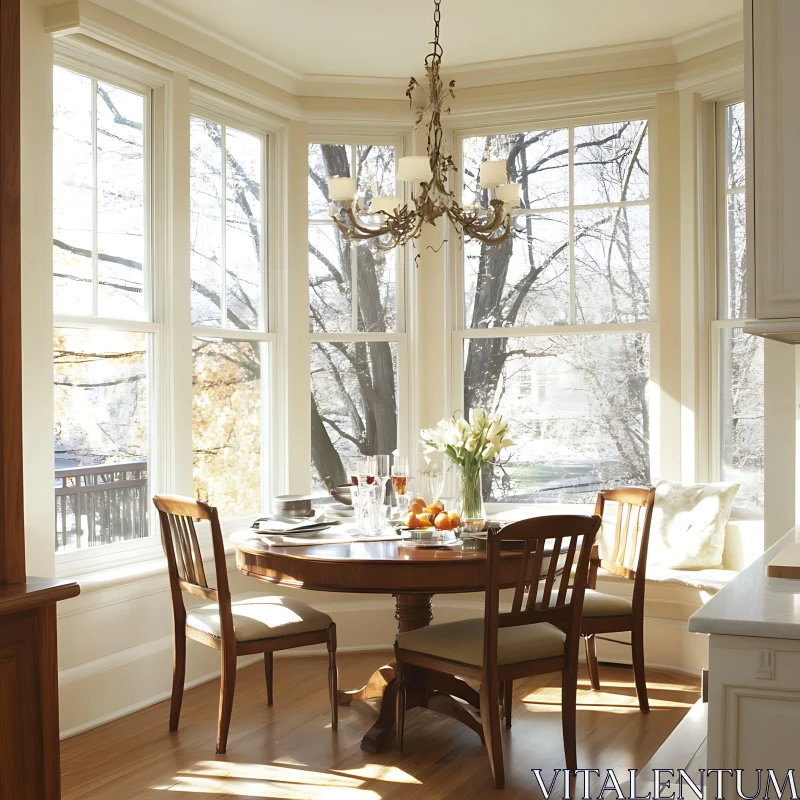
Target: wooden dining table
x,y
413,575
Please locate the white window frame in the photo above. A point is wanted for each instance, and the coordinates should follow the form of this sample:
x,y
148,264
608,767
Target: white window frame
x,y
99,69
400,336
461,333
252,123
715,276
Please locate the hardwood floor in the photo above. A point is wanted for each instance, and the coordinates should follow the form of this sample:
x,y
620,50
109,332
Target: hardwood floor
x,y
288,752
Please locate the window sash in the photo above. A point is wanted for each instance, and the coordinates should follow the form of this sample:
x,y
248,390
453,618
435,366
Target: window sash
x,y
461,332
149,546
457,259
265,324
720,319
97,75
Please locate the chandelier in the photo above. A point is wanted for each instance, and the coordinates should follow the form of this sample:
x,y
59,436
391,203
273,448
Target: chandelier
x,y
390,221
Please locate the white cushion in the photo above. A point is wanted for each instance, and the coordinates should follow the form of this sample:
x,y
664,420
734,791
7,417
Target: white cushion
x,y
707,580
462,642
688,528
260,616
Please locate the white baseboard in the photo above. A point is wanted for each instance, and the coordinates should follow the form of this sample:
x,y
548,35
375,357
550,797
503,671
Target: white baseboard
x,y
243,661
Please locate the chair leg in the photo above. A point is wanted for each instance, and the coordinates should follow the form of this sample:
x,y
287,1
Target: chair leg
x,y
490,720
333,677
508,687
591,661
226,689
569,702
400,706
178,677
637,649
268,667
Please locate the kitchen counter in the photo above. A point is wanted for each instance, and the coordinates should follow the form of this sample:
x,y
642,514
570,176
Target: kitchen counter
x,y
753,604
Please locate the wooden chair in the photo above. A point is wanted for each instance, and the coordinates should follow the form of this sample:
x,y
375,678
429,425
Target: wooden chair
x,y
500,647
246,624
605,613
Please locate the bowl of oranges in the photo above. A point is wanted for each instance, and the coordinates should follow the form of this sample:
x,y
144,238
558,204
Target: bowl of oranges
x,y
422,516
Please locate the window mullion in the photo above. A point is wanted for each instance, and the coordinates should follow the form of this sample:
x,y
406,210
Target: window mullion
x,y
95,197
572,303
354,248
223,300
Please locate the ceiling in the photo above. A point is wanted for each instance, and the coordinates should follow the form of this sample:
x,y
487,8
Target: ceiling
x,y
375,38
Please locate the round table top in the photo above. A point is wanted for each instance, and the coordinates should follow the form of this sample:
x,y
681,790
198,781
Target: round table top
x,y
387,567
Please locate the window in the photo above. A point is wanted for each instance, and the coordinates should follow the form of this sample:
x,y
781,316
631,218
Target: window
x,y
556,322
103,325
355,317
739,373
230,343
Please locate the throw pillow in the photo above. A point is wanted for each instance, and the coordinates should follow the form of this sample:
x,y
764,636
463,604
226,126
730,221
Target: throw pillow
x,y
688,528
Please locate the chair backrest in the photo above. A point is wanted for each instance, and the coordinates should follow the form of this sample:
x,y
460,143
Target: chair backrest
x,y
628,555
542,591
184,560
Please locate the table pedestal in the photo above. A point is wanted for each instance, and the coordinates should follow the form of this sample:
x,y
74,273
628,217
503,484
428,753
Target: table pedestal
x,y
435,691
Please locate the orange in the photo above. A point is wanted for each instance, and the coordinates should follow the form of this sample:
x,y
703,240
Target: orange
x,y
416,507
443,522
425,518
439,505
420,501
454,518
410,520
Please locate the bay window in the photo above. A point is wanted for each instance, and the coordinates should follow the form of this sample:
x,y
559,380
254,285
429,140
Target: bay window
x,y
555,325
738,358
356,318
104,327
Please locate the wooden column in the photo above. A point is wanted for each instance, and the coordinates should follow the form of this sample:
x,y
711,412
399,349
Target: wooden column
x,y
29,742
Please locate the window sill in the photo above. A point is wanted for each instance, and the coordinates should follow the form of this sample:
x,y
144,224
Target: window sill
x,y
144,564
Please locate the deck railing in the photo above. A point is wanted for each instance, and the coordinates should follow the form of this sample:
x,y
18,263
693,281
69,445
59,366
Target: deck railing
x,y
101,505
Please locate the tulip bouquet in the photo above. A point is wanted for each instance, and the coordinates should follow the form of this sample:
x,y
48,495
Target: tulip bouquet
x,y
469,444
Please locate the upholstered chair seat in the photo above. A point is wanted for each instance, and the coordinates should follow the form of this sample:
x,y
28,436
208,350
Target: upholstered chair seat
x,y
257,616
596,605
462,642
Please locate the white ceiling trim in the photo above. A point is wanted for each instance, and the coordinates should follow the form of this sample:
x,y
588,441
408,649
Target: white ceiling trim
x,y
633,55
177,16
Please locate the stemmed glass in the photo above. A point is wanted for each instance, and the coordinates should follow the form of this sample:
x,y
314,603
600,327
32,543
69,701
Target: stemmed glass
x,y
400,484
382,475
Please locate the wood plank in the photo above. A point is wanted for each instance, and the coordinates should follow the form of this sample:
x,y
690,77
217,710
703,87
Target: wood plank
x,y
12,536
786,564
289,750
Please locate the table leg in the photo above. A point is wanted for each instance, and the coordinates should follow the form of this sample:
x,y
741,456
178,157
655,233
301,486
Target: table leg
x,y
435,691
412,611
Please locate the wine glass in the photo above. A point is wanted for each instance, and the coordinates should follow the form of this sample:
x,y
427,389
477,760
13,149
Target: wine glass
x,y
400,483
382,474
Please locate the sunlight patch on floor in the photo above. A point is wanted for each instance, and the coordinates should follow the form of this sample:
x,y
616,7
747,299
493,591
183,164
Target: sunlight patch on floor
x,y
269,781
380,772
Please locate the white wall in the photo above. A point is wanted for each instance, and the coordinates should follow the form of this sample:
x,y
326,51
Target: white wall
x,y
114,640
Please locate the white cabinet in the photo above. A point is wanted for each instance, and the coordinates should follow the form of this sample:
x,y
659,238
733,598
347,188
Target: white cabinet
x,y
772,94
753,719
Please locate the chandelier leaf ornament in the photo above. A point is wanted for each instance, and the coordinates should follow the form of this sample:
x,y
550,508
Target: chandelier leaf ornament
x,y
391,222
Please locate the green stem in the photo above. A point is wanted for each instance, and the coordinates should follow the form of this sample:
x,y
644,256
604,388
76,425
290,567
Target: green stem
x,y
471,494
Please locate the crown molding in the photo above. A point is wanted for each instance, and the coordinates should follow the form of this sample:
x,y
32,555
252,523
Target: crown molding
x,y
184,30
94,22
630,73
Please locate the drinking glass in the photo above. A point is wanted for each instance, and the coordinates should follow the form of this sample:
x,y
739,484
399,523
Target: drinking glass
x,y
366,473
382,475
355,468
363,495
400,484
